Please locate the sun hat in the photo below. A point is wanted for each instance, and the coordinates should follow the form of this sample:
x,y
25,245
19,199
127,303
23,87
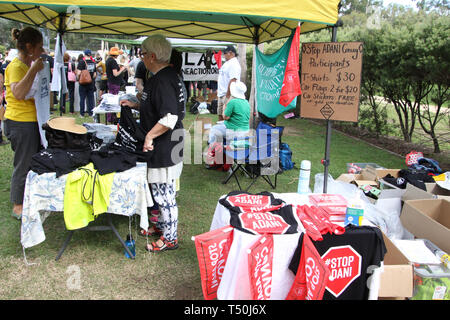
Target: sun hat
x,y
114,51
66,124
238,89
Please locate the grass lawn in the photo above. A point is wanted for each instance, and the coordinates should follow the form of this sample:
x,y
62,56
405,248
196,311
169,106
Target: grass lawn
x,y
94,266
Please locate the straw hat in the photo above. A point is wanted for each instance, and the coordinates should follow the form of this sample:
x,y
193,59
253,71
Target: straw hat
x,y
114,51
238,89
66,124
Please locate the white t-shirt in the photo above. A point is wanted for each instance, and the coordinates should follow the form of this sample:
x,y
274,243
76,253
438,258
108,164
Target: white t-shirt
x,y
231,69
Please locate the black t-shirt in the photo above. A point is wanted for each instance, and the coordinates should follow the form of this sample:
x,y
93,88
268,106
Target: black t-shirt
x,y
111,64
366,241
260,213
90,65
163,94
142,72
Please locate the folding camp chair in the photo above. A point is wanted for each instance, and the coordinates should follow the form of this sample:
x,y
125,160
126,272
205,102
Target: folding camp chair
x,y
259,159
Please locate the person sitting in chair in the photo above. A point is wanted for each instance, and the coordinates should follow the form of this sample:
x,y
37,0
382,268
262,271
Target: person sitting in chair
x,y
236,114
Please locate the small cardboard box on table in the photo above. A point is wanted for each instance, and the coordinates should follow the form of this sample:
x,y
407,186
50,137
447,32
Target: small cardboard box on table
x,y
396,281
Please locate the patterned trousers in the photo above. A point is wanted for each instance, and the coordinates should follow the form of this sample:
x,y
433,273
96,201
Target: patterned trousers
x,y
164,195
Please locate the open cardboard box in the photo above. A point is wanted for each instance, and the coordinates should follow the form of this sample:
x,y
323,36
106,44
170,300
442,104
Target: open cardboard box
x,y
434,191
357,179
377,173
428,219
368,175
396,281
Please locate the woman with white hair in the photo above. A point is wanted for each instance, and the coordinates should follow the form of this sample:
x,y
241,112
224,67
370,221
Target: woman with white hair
x,y
161,111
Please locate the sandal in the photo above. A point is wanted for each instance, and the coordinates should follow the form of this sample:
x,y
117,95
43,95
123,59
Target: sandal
x,y
167,245
152,230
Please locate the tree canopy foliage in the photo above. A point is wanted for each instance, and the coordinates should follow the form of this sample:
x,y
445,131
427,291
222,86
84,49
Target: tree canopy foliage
x,y
406,61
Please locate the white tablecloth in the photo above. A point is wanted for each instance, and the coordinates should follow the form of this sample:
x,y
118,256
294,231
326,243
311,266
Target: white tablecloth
x,y
235,283
130,194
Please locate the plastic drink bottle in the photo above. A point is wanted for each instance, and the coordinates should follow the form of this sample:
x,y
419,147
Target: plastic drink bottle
x,y
441,255
303,178
130,243
355,210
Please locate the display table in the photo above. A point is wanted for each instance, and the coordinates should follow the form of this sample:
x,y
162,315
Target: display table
x,y
235,283
130,195
110,104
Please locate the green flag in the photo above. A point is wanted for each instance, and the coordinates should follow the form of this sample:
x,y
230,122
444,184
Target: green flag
x,y
269,79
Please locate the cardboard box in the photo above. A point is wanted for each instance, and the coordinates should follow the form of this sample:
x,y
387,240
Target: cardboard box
x,y
434,191
206,124
368,175
377,174
396,281
428,219
357,179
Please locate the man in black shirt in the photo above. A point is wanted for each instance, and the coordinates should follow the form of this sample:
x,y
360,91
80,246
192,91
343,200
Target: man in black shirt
x,y
87,90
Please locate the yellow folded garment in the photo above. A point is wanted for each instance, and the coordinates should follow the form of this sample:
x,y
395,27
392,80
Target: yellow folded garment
x,y
440,177
86,195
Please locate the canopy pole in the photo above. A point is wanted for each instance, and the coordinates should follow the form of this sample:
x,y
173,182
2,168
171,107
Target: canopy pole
x,y
62,19
326,161
252,100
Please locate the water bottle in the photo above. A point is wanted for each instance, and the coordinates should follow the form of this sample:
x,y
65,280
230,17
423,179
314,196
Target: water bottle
x,y
303,178
130,243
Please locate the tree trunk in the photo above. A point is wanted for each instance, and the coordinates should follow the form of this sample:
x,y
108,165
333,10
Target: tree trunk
x,y
242,57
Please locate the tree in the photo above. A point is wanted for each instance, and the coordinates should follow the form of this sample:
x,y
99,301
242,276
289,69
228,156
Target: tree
x,y
434,49
370,87
361,6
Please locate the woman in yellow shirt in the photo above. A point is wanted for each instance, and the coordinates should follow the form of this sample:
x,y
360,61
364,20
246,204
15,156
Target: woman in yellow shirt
x,y
21,126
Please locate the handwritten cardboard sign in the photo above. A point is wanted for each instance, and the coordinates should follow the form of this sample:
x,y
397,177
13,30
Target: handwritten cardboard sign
x,y
331,80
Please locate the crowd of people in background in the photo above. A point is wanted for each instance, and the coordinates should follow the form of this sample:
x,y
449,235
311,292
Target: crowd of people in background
x,y
109,73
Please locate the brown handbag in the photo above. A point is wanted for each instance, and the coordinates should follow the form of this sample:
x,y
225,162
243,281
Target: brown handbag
x,y
85,77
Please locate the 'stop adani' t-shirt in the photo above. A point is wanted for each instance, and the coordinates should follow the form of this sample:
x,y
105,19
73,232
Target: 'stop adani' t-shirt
x,y
351,258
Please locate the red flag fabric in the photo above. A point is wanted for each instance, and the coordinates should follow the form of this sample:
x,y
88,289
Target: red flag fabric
x,y
218,58
309,224
312,274
322,220
260,263
212,252
291,83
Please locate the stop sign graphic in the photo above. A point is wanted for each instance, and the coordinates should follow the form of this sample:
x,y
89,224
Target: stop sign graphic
x,y
345,266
